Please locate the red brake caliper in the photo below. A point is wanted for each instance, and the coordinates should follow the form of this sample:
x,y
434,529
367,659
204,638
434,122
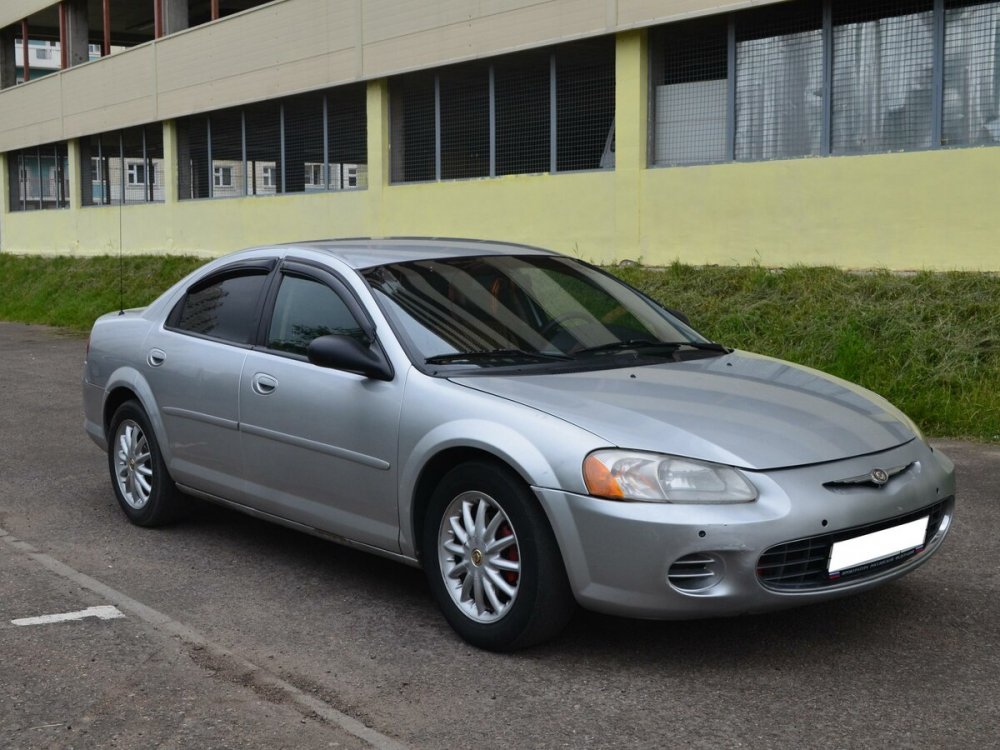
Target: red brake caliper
x,y
510,553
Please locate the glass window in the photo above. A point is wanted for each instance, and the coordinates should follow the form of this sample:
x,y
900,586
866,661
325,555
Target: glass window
x,y
223,176
779,81
522,84
465,121
223,307
412,128
39,177
307,309
314,175
883,76
971,73
137,174
690,93
585,105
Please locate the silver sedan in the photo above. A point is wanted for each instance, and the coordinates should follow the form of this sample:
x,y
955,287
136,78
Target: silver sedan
x,y
531,431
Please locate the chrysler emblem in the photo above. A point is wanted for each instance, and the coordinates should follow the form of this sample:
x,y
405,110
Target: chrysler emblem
x,y
879,477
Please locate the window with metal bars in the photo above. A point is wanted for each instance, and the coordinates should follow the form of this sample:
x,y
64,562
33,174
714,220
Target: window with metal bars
x,y
585,105
971,105
464,122
194,173
690,72
821,77
523,104
883,76
779,82
122,166
39,177
547,110
306,143
263,148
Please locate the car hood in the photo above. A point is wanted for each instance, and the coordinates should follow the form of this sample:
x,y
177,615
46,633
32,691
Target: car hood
x,y
740,409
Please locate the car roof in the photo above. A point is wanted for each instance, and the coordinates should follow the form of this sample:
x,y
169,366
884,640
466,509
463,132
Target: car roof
x,y
365,252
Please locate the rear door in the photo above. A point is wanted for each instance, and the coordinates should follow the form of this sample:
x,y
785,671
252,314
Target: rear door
x,y
319,444
193,365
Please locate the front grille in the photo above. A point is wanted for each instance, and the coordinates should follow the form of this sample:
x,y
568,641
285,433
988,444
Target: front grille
x,y
802,564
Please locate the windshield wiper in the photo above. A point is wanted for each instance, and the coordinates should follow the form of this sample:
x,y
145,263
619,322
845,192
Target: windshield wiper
x,y
630,344
493,355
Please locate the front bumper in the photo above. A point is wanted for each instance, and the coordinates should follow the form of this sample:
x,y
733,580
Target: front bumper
x,y
621,557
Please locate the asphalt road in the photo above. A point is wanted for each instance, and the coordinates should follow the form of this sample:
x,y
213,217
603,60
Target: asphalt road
x,y
238,634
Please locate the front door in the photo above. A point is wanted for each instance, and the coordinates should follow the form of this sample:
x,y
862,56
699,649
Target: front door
x,y
319,445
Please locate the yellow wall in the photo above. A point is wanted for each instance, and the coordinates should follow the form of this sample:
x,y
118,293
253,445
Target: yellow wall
x,y
919,210
929,210
201,227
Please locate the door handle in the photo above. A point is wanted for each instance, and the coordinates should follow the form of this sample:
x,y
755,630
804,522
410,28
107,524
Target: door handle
x,y
263,384
156,357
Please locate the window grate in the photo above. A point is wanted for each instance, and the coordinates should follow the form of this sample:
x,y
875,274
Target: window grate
x,y
306,143
585,105
465,122
264,169
779,82
39,177
523,106
412,129
818,77
971,74
545,110
883,76
347,138
691,93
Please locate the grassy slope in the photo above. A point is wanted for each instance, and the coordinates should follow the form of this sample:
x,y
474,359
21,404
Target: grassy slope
x,y
930,343
71,292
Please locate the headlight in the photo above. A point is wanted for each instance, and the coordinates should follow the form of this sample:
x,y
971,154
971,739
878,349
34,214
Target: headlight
x,y
651,477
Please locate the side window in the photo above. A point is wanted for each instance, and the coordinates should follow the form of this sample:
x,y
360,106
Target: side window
x,y
223,307
304,310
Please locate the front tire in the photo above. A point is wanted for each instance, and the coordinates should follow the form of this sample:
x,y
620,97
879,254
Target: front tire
x,y
144,490
492,561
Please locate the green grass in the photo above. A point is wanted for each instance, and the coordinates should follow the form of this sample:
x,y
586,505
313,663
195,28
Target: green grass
x,y
929,342
71,292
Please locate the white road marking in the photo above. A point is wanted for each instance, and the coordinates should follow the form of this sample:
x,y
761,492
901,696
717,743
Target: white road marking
x,y
164,623
106,612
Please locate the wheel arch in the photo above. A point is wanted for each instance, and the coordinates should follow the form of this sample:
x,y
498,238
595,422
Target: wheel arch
x,y
430,475
430,455
128,385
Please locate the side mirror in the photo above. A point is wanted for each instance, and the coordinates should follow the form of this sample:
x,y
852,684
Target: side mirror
x,y
340,352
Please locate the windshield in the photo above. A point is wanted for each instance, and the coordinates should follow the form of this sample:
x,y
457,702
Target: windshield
x,y
534,310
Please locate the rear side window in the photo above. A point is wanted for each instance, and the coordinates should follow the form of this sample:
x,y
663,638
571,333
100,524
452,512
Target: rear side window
x,y
223,307
304,310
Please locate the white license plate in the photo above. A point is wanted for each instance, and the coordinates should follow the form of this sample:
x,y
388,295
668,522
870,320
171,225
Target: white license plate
x,y
852,553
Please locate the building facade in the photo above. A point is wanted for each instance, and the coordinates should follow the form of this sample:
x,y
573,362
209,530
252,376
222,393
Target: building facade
x,y
840,132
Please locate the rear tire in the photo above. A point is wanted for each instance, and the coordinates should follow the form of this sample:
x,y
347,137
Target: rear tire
x,y
492,561
143,487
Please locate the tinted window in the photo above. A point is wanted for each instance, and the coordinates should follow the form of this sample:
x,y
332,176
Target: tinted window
x,y
305,310
224,308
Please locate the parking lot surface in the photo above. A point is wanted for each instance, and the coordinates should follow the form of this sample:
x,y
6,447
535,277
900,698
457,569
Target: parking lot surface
x,y
233,633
